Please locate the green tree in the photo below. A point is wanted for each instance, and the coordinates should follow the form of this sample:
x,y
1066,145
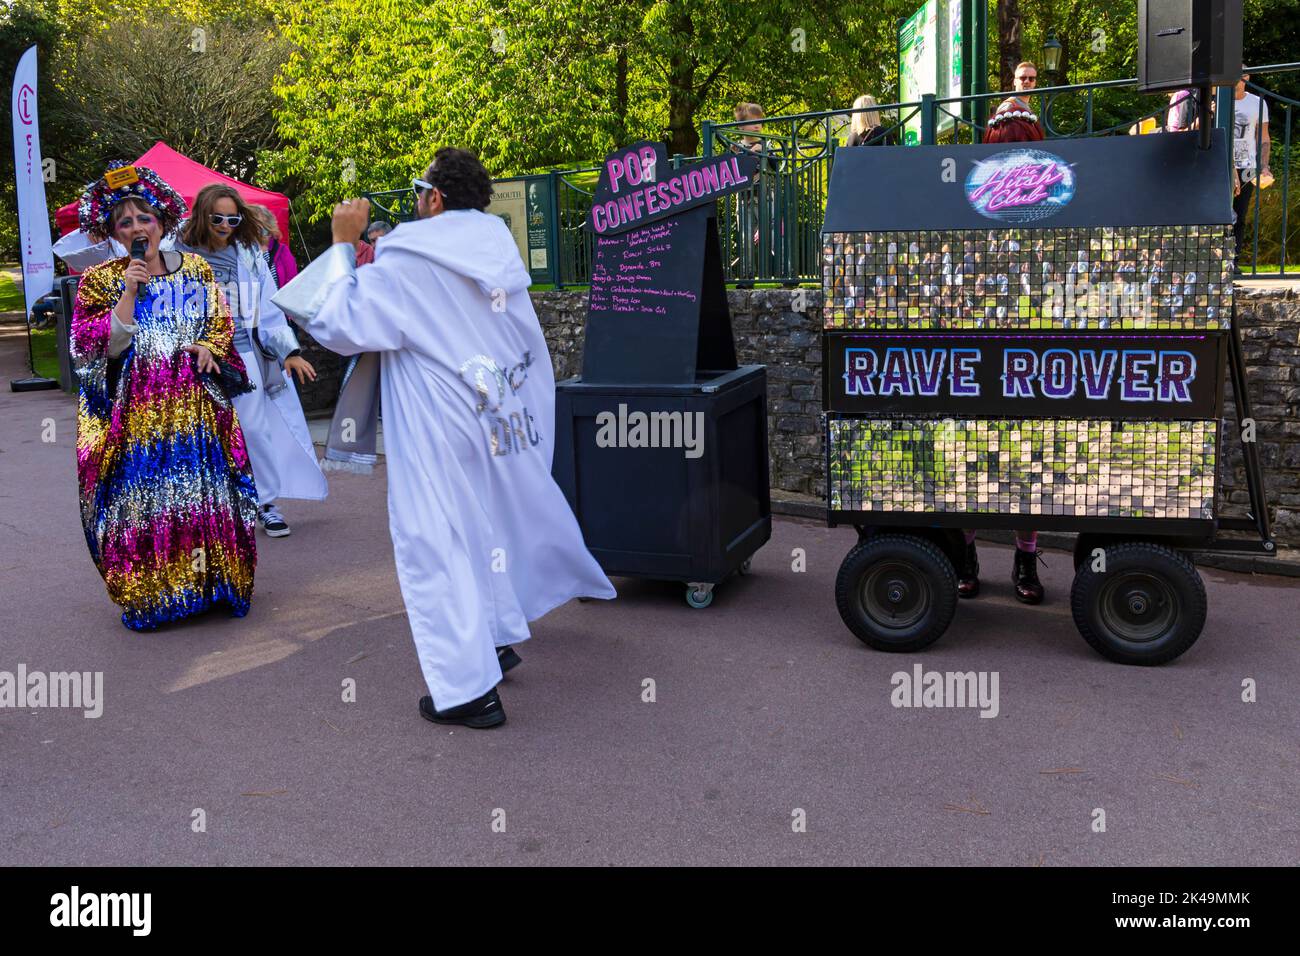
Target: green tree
x,y
116,76
375,85
205,91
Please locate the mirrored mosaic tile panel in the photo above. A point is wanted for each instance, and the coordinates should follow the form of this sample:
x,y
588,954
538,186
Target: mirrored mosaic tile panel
x,y
1126,278
1074,467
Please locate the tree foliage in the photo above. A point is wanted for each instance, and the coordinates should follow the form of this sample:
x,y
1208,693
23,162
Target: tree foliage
x,y
115,77
374,86
326,98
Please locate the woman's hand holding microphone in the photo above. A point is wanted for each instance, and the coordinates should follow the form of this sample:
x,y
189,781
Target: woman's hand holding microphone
x,y
135,276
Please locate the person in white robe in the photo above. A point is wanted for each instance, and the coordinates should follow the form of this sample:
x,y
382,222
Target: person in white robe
x,y
483,538
224,230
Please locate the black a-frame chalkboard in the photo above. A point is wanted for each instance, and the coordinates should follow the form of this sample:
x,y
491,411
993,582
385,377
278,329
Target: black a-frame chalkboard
x,y
657,311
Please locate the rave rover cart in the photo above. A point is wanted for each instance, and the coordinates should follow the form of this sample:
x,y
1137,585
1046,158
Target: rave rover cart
x,y
1033,336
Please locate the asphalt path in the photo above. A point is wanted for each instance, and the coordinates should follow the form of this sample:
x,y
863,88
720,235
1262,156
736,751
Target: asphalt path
x,y
771,738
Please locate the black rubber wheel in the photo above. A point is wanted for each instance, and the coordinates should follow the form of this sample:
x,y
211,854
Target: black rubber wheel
x,y
1147,607
1084,545
896,592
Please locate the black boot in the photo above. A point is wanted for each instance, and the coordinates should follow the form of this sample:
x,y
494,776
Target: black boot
x,y
1024,575
480,713
507,657
968,574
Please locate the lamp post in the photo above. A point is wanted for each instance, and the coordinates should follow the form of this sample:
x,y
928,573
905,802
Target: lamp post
x,y
1052,56
1051,64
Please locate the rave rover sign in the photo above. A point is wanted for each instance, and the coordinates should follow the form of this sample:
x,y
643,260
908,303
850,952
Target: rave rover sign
x,y
1164,377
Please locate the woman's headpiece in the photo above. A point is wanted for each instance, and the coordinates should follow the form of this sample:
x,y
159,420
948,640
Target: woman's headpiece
x,y
123,181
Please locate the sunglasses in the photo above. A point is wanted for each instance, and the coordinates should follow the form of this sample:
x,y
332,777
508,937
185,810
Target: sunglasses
x,y
419,184
218,219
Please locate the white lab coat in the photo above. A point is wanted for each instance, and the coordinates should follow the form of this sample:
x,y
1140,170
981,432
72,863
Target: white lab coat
x,y
483,538
275,428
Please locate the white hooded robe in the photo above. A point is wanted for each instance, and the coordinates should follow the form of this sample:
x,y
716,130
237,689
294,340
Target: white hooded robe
x,y
483,538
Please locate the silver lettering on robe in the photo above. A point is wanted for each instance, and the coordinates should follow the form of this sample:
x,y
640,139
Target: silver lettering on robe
x,y
486,378
519,373
508,431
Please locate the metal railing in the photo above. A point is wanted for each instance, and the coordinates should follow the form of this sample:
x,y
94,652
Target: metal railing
x,y
771,233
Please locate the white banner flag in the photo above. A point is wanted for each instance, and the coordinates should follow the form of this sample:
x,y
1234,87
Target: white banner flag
x,y
33,216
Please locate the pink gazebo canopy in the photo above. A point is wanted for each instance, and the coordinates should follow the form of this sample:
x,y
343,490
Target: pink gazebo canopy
x,y
187,177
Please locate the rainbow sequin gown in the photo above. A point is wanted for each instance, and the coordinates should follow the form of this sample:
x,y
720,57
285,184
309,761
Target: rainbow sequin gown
x,y
167,497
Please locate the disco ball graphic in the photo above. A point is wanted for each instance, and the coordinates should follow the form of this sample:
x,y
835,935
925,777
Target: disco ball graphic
x,y
1020,186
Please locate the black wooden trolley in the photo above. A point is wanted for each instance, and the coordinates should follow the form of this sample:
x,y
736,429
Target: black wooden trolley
x,y
942,291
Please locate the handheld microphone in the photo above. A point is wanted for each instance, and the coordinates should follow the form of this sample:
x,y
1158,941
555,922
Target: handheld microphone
x,y
138,247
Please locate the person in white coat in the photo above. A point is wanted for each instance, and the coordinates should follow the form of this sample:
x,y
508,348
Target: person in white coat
x,y
79,252
223,229
483,538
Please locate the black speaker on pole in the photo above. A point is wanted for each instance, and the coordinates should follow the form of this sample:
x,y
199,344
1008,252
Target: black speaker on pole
x,y
1184,43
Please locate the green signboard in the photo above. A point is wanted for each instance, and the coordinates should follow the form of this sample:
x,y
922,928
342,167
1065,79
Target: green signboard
x,y
930,60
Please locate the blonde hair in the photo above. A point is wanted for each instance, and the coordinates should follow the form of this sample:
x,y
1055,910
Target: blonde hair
x,y
866,120
748,111
1025,63
266,219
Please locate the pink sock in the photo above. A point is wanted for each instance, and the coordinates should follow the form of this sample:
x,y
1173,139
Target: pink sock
x,y
1027,544
970,536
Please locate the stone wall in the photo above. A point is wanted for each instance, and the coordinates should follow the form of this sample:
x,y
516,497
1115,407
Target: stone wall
x,y
770,330
1269,320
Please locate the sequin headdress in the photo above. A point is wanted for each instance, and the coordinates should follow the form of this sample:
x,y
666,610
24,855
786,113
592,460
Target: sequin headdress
x,y
123,181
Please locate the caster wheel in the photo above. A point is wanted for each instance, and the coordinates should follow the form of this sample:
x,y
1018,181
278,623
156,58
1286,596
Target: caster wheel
x,y
698,597
1147,607
896,592
746,565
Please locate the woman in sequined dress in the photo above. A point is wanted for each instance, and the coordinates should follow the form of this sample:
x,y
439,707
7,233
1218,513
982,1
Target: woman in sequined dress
x,y
168,502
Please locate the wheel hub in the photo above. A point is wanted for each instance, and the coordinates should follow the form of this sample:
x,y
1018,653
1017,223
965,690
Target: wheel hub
x,y
1138,606
895,594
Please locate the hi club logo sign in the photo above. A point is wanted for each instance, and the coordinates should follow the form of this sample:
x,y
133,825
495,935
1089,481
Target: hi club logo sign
x,y
1020,185
26,96
638,185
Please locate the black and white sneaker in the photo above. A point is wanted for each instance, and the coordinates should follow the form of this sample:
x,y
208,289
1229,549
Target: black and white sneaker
x,y
508,658
273,522
480,713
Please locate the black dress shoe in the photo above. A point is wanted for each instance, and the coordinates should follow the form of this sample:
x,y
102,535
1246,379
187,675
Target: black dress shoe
x,y
1024,576
507,658
480,713
968,575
